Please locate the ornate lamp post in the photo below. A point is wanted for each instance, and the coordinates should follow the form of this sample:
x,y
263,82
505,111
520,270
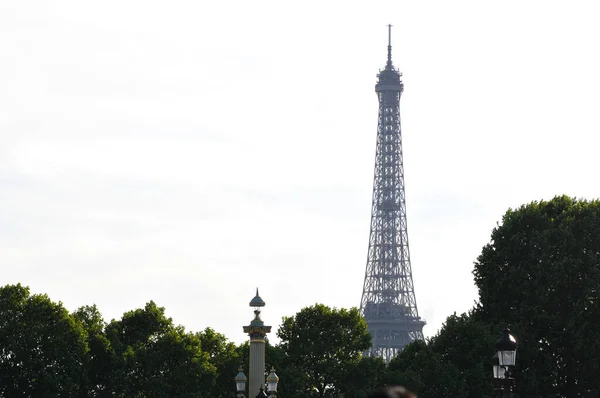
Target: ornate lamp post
x,y
257,332
505,358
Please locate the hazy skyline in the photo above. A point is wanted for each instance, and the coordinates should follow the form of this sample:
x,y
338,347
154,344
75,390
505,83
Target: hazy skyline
x,y
188,152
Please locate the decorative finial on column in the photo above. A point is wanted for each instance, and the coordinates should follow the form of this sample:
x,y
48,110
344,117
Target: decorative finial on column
x,y
257,301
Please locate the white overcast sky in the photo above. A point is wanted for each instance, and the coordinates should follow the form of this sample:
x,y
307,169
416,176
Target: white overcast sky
x,y
189,151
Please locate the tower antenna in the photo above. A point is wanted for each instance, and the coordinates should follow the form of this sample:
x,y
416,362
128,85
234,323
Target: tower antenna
x,y
389,59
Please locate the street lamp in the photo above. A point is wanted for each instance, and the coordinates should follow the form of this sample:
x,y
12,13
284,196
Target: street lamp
x,y
505,356
507,349
272,380
257,331
240,383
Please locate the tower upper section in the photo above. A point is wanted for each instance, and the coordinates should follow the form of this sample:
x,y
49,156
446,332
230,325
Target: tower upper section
x,y
389,78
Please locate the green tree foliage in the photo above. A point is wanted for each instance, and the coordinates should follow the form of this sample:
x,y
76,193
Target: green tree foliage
x,y
45,351
424,372
467,343
41,346
456,362
156,358
541,274
321,344
99,359
225,357
364,376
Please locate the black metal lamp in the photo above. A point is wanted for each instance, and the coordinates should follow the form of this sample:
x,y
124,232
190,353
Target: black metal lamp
x,y
507,349
504,358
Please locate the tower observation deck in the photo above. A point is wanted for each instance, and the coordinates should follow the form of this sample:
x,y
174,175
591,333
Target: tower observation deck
x,y
388,299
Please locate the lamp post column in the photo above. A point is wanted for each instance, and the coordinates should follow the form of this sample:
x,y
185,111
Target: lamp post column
x,y
257,332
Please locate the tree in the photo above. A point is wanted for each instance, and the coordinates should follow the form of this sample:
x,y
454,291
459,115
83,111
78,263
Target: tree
x,y
541,275
455,362
225,357
426,373
321,344
42,347
468,343
363,377
156,358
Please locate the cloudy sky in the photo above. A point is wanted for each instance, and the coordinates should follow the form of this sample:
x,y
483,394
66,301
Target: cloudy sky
x,y
189,151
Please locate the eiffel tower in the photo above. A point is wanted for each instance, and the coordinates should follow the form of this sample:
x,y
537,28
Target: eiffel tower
x,y
388,299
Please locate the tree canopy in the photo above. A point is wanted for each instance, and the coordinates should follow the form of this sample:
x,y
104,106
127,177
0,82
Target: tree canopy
x,y
321,344
156,358
540,274
41,346
45,351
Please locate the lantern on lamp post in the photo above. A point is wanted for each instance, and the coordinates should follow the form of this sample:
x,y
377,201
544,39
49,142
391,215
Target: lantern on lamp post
x,y
240,383
272,380
505,358
507,349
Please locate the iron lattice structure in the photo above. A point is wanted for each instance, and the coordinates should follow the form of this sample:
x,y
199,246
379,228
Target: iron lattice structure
x,y
388,300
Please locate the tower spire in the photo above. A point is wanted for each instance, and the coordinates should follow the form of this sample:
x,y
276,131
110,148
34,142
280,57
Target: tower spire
x,y
389,58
